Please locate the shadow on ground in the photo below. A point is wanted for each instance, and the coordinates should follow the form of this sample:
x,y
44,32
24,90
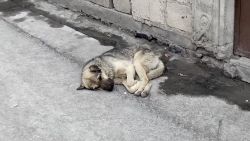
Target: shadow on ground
x,y
13,7
199,80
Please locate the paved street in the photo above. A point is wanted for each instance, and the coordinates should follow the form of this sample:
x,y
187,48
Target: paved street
x,y
40,65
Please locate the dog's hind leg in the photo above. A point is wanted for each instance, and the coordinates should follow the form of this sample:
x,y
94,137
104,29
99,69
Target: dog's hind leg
x,y
139,58
152,74
146,90
142,76
158,71
130,76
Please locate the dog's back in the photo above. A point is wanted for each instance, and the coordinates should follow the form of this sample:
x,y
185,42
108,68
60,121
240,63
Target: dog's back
x,y
122,53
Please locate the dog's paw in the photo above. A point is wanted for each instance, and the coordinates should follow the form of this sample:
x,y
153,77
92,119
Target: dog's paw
x,y
141,87
144,94
138,93
141,93
146,90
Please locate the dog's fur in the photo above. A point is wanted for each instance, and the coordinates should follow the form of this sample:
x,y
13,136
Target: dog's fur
x,y
121,66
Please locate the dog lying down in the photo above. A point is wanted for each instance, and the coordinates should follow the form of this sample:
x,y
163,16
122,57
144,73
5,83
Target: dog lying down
x,y
132,67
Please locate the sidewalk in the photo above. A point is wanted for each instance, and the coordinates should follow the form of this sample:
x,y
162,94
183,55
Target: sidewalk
x,y
43,50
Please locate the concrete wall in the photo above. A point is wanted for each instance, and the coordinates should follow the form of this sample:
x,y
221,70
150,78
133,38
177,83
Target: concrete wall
x,y
165,14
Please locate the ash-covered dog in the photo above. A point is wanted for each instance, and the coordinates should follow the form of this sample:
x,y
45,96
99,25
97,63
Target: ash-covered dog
x,y
122,66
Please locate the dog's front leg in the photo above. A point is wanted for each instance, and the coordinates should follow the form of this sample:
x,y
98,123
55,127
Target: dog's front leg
x,y
143,77
130,72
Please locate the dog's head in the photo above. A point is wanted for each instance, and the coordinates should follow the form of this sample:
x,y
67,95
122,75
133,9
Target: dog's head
x,y
93,78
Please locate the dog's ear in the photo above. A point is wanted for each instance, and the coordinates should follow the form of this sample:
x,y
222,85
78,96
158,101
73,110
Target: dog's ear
x,y
95,69
81,88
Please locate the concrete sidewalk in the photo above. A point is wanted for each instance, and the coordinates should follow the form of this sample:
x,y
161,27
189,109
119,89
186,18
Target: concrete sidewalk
x,y
42,62
39,100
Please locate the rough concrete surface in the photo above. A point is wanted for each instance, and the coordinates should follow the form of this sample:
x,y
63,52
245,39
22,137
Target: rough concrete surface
x,y
42,61
123,6
180,16
104,14
105,3
127,22
239,68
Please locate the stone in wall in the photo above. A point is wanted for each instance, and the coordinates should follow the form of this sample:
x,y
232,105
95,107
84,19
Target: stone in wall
x,y
179,16
164,13
226,25
238,68
203,23
150,11
214,26
122,6
105,3
184,1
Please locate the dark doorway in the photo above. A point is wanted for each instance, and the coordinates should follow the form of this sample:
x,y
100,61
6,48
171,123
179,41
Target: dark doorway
x,y
242,28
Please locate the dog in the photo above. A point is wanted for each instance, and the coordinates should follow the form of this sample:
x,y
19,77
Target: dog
x,y
132,67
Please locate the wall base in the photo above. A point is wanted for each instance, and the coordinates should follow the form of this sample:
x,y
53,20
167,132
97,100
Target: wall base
x,y
238,68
